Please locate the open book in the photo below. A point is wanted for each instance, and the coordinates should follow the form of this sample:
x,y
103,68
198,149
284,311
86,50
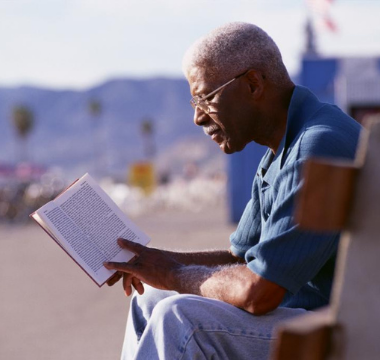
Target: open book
x,y
86,223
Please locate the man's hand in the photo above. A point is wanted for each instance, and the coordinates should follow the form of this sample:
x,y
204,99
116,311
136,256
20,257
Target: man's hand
x,y
235,284
128,282
114,278
151,266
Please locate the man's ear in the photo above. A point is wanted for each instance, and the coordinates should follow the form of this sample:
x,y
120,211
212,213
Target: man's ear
x,y
256,83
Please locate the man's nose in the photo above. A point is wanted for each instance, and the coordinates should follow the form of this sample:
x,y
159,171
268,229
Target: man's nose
x,y
200,117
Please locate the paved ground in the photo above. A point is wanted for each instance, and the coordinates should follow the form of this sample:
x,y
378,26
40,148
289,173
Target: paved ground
x,y
51,310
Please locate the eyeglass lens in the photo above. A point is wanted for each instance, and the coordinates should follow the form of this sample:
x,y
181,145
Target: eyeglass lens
x,y
197,102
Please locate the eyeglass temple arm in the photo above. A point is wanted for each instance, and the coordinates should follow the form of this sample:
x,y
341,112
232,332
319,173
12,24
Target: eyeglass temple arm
x,y
219,88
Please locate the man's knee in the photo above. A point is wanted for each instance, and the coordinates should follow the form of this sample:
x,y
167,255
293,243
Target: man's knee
x,y
141,309
182,308
148,301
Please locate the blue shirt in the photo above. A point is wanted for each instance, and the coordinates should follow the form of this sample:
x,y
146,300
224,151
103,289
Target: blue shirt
x,y
267,237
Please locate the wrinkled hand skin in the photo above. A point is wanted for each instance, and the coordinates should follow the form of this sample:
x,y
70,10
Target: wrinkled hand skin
x,y
128,281
151,266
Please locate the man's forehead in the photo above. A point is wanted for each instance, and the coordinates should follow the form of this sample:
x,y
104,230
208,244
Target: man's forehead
x,y
201,80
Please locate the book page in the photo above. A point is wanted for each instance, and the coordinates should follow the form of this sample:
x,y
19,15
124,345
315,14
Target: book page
x,y
44,226
87,224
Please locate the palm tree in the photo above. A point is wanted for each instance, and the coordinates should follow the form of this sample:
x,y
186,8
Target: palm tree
x,y
23,121
95,110
147,131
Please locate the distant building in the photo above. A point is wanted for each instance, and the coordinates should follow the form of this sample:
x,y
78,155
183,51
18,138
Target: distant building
x,y
351,83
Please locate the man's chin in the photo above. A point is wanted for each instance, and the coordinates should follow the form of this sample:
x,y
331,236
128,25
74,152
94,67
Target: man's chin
x,y
229,148
226,148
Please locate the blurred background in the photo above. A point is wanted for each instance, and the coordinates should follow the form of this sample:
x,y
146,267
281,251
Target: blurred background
x,y
96,86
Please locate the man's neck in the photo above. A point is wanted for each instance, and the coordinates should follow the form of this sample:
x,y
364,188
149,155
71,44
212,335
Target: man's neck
x,y
280,118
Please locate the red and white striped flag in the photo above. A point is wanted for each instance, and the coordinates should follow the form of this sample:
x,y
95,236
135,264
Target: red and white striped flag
x,y
320,10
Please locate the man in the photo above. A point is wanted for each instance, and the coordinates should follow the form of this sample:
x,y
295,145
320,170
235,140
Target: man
x,y
242,93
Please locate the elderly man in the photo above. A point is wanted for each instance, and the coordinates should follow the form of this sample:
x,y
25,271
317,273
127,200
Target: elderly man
x,y
205,305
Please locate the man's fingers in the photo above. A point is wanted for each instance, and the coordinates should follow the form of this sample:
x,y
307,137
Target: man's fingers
x,y
131,246
127,284
128,281
137,284
123,267
114,279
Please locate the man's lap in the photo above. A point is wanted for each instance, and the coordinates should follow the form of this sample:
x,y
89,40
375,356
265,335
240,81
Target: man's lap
x,y
190,326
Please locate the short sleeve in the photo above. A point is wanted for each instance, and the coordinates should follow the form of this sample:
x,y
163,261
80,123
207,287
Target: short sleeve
x,y
286,255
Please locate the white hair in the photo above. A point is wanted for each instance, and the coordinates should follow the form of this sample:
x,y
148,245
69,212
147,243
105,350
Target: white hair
x,y
234,48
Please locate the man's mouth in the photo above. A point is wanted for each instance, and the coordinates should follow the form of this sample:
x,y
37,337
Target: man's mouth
x,y
211,130
215,134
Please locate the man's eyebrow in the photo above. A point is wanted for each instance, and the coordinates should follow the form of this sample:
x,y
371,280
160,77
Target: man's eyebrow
x,y
204,91
200,92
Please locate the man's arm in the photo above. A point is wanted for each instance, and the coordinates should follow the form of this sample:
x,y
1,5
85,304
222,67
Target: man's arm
x,y
206,258
234,284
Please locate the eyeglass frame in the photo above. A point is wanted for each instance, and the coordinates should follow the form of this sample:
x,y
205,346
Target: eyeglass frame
x,y
194,101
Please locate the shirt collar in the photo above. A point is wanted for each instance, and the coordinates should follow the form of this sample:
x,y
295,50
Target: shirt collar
x,y
303,105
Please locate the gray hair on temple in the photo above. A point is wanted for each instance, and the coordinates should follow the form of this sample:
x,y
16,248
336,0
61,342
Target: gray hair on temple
x,y
234,48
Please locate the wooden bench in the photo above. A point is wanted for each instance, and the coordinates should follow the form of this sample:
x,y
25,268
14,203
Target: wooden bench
x,y
342,196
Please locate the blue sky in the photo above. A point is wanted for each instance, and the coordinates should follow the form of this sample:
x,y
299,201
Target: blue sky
x,y
80,43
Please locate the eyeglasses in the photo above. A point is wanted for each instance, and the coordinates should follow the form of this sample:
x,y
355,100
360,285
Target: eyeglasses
x,y
201,101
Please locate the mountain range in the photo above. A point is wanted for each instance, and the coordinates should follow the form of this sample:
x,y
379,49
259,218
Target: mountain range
x,y
68,136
